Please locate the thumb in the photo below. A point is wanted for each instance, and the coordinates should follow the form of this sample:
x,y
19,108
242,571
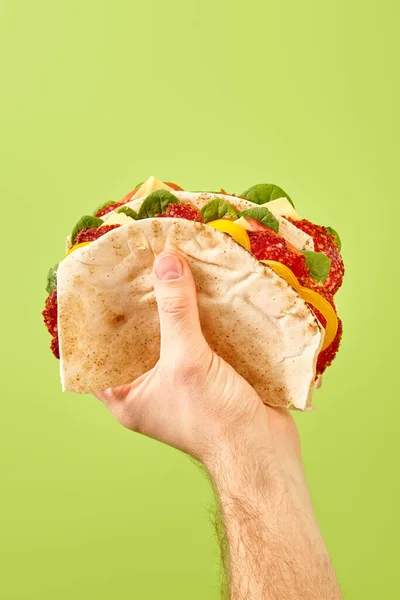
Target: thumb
x,y
177,307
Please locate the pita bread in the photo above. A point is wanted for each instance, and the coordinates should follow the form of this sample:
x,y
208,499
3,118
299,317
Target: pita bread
x,y
108,320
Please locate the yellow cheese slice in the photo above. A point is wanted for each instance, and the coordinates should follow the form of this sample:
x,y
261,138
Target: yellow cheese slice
x,y
243,223
116,218
282,207
151,185
68,243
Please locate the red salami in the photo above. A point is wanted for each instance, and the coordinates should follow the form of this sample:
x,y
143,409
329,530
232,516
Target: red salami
x,y
325,242
91,233
50,313
55,348
50,320
107,209
326,357
268,245
183,210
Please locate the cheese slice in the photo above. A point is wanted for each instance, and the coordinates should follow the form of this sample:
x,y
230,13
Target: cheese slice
x,y
151,185
243,223
282,207
116,218
297,237
68,243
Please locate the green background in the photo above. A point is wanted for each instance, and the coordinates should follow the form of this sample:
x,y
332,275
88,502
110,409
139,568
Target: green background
x,y
97,96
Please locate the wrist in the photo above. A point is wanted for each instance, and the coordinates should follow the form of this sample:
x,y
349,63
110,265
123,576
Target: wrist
x,y
243,458
257,463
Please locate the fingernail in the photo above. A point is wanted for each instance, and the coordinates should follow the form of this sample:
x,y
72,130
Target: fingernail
x,y
168,267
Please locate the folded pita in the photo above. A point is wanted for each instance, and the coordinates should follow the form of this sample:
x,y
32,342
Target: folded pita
x,y
108,321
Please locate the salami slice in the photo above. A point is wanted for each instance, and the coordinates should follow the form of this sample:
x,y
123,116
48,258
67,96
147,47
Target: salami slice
x,y
326,356
325,242
50,320
183,210
91,233
107,209
268,245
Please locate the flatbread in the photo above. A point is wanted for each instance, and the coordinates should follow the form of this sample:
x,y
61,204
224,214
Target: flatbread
x,y
108,321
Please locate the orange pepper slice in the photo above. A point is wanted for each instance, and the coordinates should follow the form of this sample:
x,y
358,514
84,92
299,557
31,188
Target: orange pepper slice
x,y
311,297
238,233
81,245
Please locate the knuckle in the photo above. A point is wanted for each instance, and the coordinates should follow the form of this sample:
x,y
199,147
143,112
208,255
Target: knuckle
x,y
176,305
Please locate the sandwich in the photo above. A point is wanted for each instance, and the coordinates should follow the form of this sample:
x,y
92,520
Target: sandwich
x,y
266,279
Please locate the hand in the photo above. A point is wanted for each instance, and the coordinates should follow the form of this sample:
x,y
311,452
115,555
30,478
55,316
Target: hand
x,y
192,399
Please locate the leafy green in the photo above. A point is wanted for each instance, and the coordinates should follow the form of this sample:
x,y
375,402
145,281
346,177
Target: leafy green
x,y
318,263
264,192
138,185
156,203
52,279
217,209
335,233
105,205
263,215
128,211
83,223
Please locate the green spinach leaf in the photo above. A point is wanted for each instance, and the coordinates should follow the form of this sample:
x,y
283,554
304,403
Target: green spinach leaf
x,y
156,203
217,209
129,212
335,233
83,223
318,263
264,192
52,279
263,215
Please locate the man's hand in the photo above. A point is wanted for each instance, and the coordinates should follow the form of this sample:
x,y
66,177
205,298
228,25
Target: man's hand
x,y
193,400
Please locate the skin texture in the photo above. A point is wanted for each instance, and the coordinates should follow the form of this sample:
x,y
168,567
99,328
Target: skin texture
x,y
193,400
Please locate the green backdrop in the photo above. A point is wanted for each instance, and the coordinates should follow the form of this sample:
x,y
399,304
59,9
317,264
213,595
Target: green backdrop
x,y
99,95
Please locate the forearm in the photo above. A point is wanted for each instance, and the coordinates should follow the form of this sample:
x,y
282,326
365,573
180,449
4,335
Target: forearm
x,y
272,544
